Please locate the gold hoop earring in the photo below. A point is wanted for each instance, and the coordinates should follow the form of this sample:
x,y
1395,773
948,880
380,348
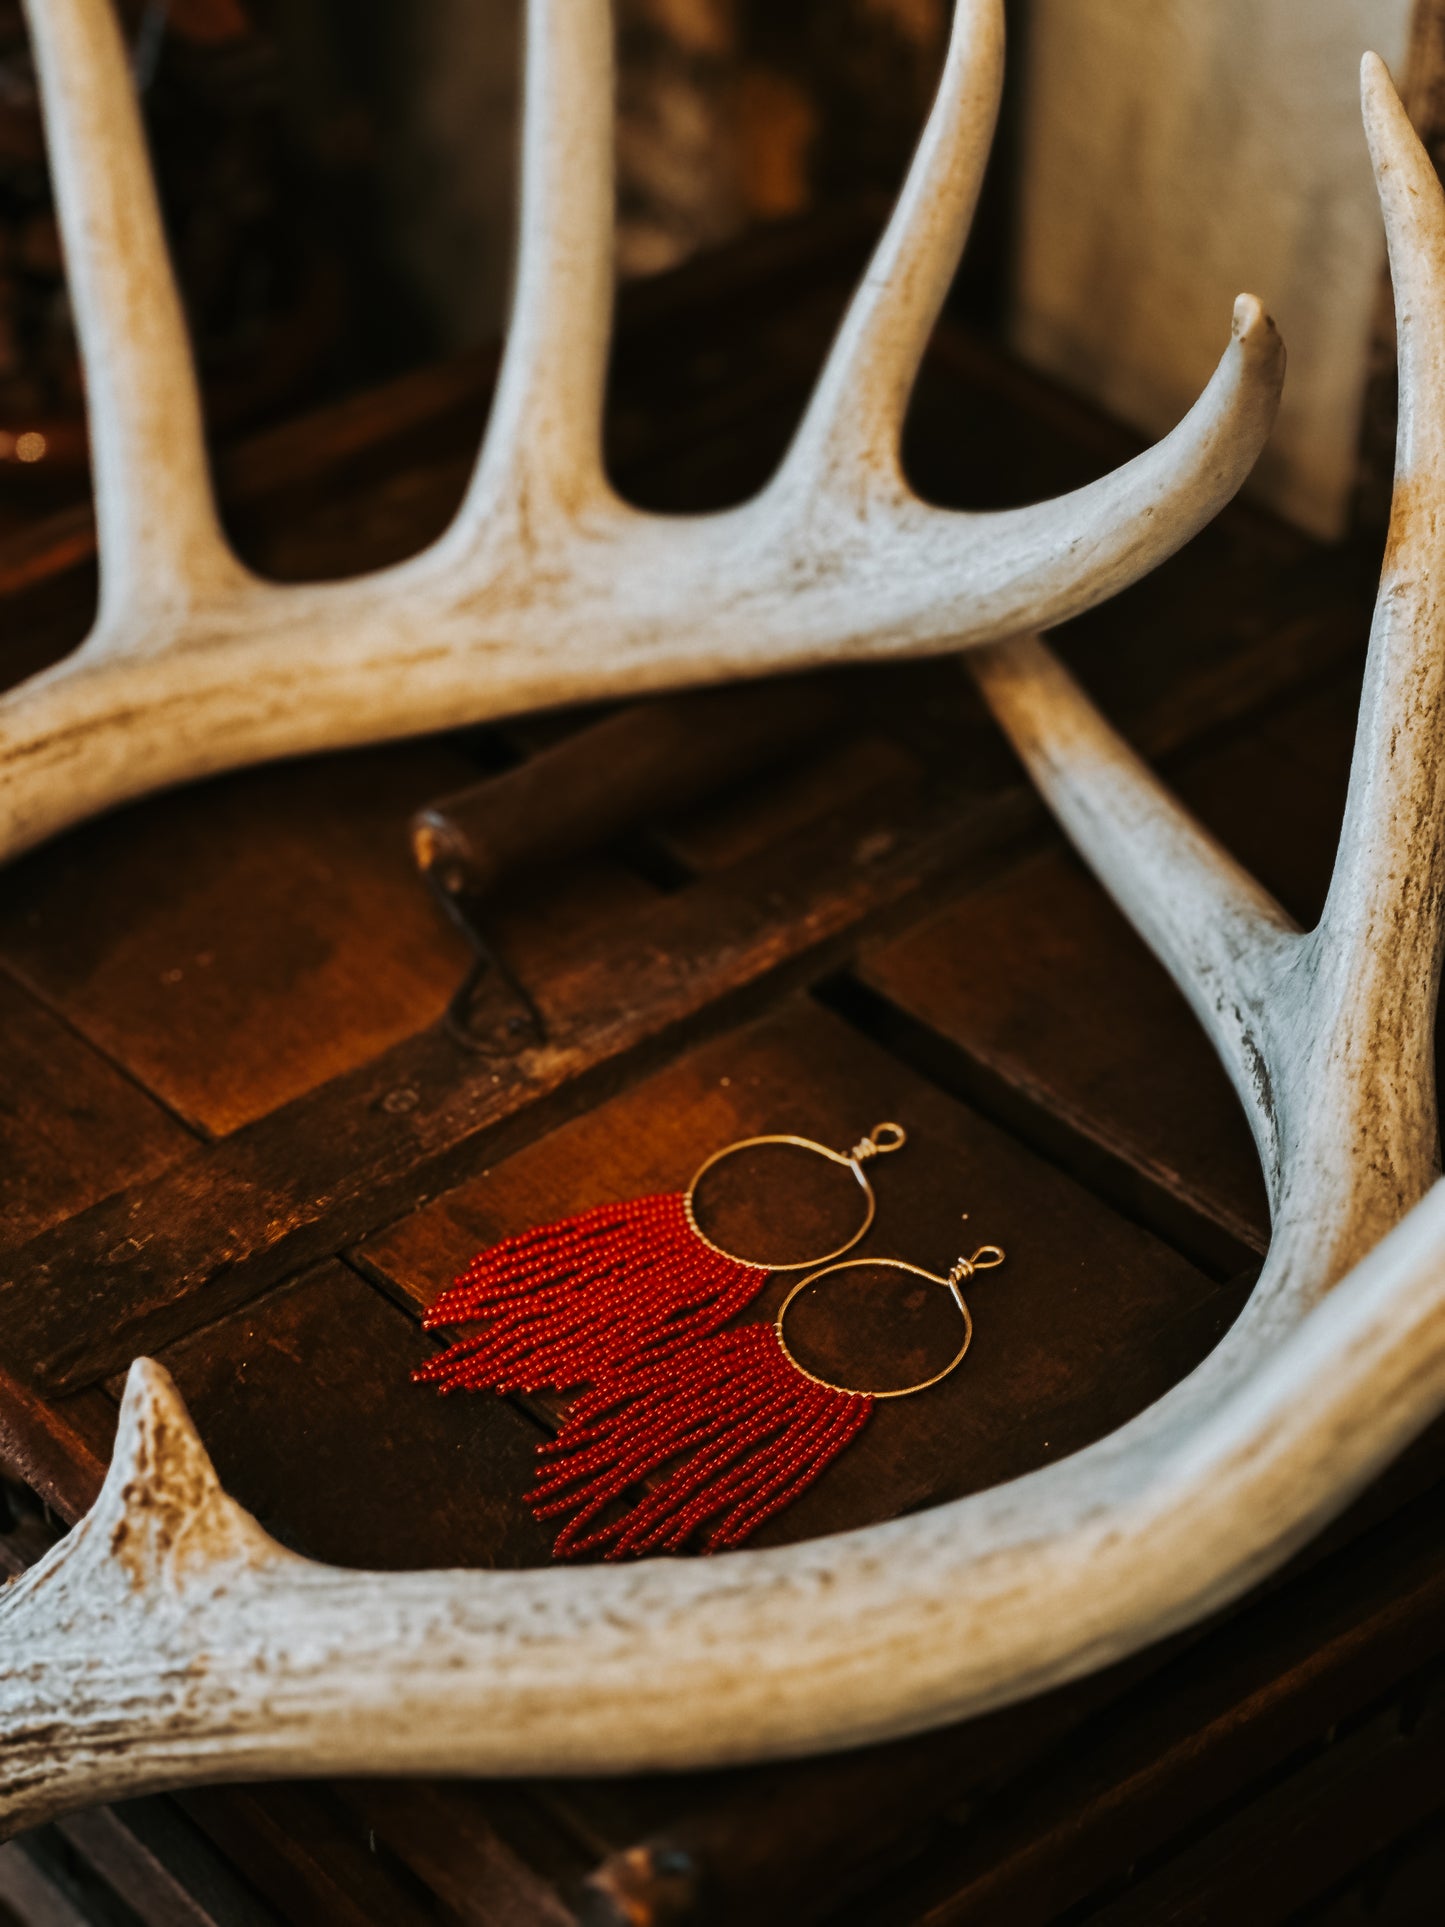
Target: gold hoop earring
x,y
986,1258
880,1141
633,1302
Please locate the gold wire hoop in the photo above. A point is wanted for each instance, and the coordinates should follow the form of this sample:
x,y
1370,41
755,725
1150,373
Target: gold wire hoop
x,y
984,1259
882,1139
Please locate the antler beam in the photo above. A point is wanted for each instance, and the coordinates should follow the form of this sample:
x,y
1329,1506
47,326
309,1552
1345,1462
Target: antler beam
x,y
546,588
168,1640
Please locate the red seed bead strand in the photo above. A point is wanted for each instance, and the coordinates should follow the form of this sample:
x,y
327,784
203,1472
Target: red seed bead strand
x,y
670,1524
562,1303
839,1421
663,1517
637,1436
688,1431
735,1432
647,1431
708,1487
819,1423
628,1431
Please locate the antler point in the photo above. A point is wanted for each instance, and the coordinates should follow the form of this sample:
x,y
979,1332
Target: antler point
x,y
1380,99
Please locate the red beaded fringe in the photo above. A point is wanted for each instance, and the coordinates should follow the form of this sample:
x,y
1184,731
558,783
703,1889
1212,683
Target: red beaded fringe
x,y
563,1302
720,1436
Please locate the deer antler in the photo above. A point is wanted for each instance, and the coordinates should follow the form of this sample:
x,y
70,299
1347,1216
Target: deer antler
x,y
168,1640
546,588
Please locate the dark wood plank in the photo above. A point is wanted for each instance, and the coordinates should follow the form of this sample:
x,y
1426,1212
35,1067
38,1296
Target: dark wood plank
x,y
302,1852
816,784
1295,1842
247,945
60,1450
161,1868
445,1835
1275,795
1091,1319
73,1128
1397,1888
1052,1012
305,1403
1318,1651
30,1895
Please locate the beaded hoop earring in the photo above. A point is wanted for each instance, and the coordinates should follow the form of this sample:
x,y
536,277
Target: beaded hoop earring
x,y
688,1427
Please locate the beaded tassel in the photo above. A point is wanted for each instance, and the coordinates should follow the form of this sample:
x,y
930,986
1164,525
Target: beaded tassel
x,y
560,1304
708,1441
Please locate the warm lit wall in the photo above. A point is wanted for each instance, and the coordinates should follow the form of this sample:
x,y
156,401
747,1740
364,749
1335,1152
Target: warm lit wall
x,y
1176,152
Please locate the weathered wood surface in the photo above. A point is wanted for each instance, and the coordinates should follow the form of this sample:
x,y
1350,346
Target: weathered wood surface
x,y
76,1123
240,952
291,1341
1137,1094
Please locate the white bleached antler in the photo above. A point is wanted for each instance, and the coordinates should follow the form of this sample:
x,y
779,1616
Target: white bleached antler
x,y
168,1640
546,588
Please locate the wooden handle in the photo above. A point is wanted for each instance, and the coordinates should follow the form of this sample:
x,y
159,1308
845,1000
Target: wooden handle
x,y
585,791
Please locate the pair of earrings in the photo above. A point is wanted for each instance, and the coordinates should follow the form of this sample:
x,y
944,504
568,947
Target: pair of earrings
x,y
689,1427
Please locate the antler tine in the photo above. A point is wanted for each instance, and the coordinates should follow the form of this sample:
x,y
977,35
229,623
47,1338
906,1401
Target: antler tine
x,y
1213,927
850,435
160,541
1025,568
1382,919
1058,558
544,440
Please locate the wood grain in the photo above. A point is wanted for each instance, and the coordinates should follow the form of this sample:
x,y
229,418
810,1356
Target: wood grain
x,y
447,1838
238,952
73,1127
314,1423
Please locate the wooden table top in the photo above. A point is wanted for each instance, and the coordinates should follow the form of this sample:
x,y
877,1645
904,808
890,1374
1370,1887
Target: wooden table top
x,y
237,1135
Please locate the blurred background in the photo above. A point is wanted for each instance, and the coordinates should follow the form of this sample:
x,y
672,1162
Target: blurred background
x,y
339,178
